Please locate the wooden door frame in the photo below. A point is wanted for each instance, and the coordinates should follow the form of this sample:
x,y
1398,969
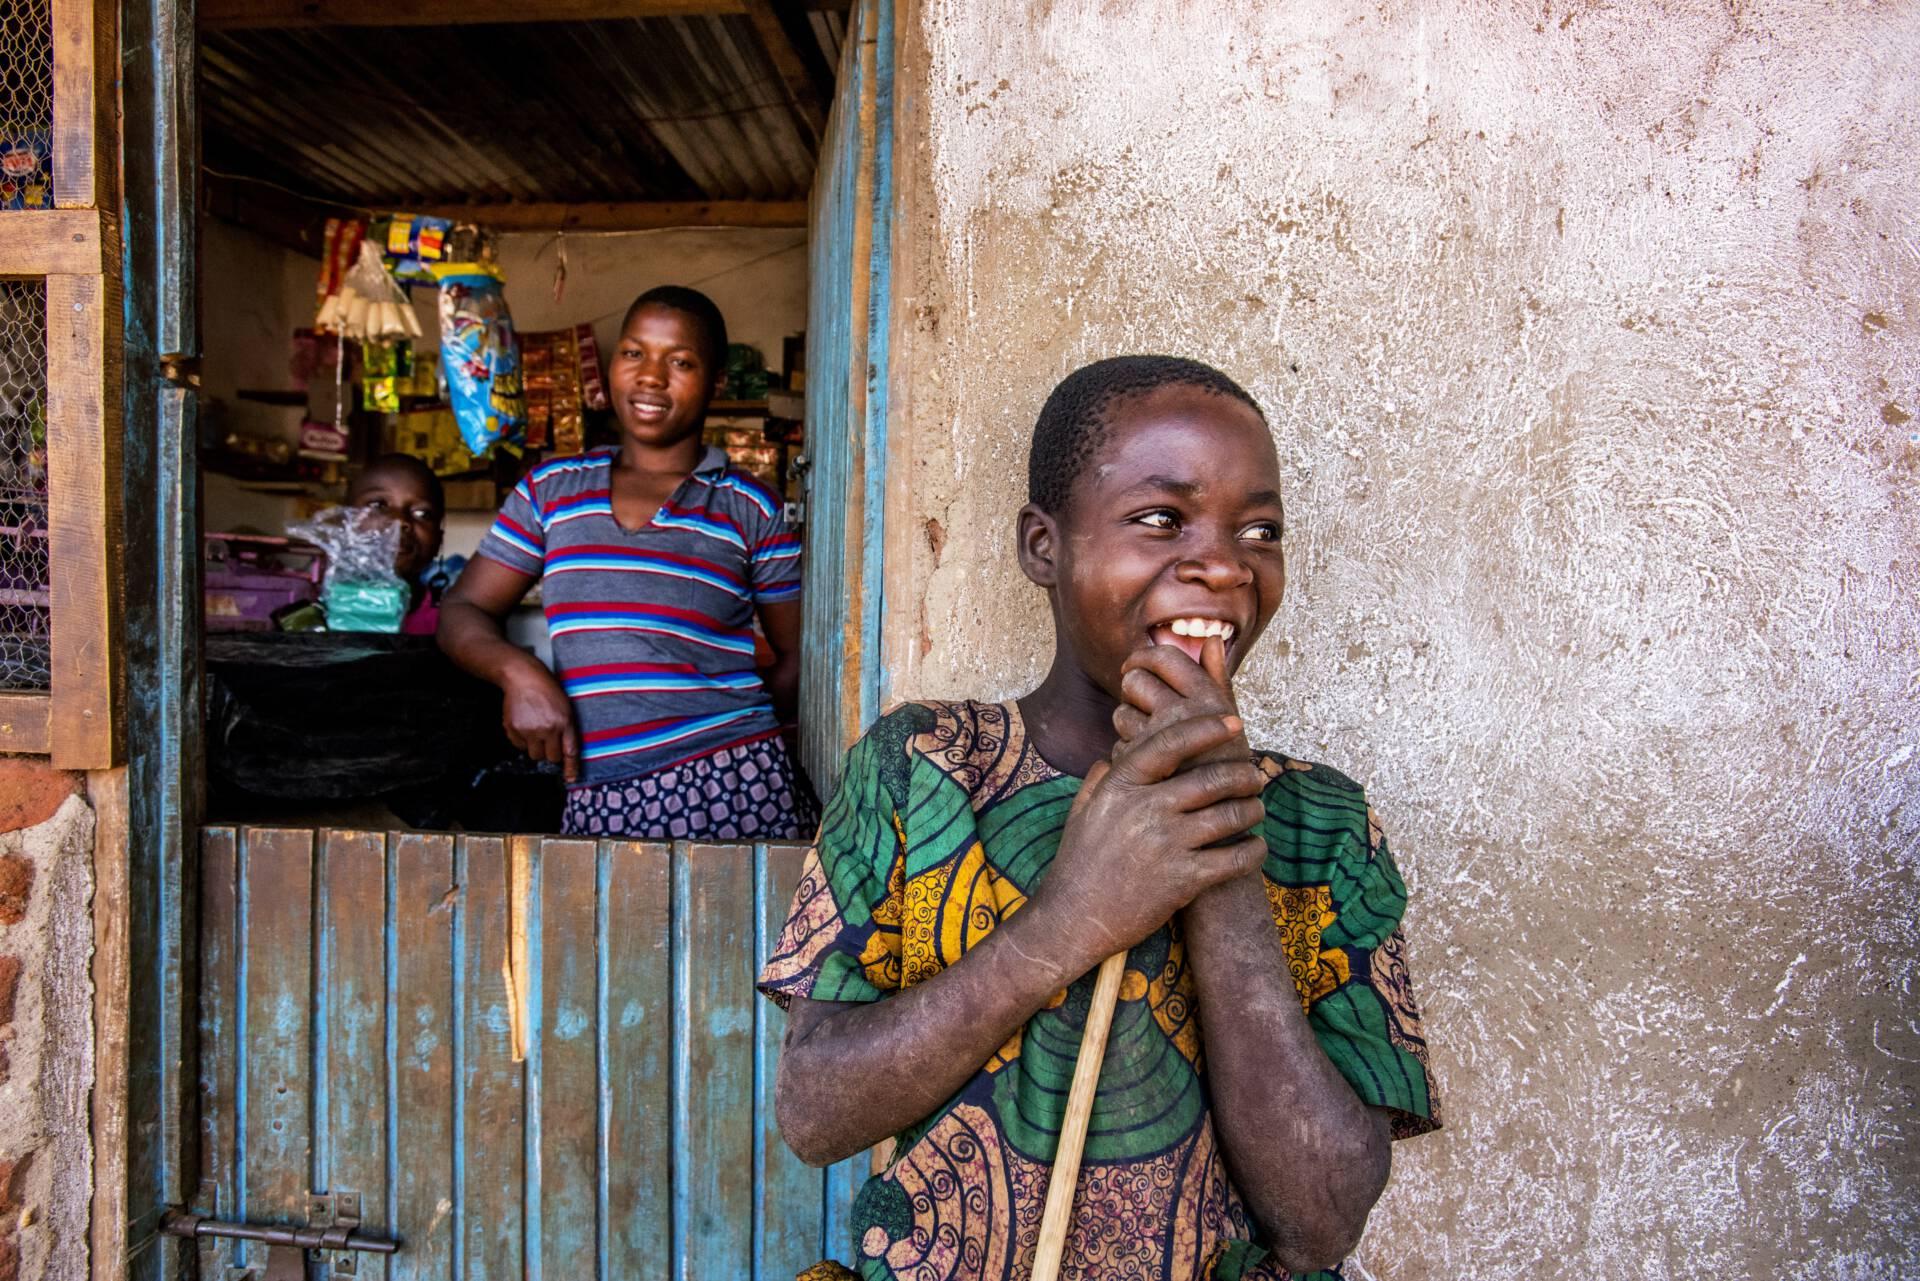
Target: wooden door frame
x,y
150,809
146,1133
843,667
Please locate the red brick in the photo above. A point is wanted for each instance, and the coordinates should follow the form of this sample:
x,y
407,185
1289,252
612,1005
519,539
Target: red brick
x,y
16,882
31,790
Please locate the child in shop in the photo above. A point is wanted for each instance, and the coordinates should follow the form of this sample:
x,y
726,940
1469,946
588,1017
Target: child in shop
x,y
406,489
980,860
654,558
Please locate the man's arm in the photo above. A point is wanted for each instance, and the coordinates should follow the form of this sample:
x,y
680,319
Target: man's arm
x,y
534,710
780,620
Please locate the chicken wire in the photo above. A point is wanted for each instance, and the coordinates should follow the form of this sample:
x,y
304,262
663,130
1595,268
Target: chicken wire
x,y
26,104
24,630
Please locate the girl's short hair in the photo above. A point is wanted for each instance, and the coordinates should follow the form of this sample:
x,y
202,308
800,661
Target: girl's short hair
x,y
1073,423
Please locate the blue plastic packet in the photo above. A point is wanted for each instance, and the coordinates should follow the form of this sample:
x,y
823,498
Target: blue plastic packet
x,y
480,356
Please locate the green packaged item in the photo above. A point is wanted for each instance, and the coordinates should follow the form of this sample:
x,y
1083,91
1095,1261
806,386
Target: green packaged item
x,y
362,593
380,395
365,605
746,372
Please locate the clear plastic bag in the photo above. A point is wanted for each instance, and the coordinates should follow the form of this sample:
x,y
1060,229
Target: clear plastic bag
x,y
361,591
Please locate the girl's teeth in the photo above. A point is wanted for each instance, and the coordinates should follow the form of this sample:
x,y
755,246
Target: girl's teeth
x,y
1202,627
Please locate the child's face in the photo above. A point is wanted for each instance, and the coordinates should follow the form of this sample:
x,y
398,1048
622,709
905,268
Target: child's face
x,y
661,377
1172,527
402,495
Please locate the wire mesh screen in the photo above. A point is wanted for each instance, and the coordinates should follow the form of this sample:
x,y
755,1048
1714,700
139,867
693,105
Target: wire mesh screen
x,y
26,104
24,632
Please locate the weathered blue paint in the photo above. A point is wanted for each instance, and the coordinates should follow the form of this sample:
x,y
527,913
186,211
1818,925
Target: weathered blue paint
x,y
847,443
490,1086
159,166
356,1037
873,667
350,1038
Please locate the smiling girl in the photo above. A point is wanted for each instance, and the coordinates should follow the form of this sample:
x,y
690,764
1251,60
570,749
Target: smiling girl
x,y
653,558
980,859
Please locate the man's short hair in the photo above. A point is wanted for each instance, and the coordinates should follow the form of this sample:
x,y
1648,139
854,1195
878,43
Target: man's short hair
x,y
713,326
1074,422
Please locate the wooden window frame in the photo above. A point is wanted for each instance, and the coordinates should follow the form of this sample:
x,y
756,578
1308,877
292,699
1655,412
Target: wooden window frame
x,y
75,249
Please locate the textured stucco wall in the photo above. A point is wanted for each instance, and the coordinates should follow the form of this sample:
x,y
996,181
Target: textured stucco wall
x,y
1588,335
46,1025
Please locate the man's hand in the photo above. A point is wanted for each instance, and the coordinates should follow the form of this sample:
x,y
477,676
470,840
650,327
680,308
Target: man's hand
x,y
539,719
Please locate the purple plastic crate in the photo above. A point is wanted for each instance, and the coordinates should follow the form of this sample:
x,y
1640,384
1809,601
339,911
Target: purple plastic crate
x,y
248,578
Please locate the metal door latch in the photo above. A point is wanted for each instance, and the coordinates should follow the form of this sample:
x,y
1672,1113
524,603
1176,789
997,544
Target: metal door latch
x,y
333,1220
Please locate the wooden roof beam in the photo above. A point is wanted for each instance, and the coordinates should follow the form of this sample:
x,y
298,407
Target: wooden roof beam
x,y
235,15
639,215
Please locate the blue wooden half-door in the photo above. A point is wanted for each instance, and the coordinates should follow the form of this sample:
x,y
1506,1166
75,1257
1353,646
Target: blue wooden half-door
x,y
517,1056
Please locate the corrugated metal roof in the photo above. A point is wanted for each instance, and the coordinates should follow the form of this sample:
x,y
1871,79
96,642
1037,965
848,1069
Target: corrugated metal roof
x,y
666,108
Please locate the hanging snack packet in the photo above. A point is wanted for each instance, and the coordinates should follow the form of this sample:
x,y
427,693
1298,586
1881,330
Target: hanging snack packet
x,y
414,243
361,592
480,355
593,389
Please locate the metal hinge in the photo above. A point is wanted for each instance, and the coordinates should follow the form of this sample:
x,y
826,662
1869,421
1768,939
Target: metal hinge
x,y
181,370
333,1219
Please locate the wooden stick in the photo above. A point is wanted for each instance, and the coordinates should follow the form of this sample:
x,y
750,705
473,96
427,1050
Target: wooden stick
x,y
1058,1216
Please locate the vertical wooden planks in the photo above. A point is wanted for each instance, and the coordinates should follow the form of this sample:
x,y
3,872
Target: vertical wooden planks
x,y
787,1224
490,1120
219,1047
276,975
351,1028
713,1044
86,522
637,1023
420,1055
643,1123
110,967
830,321
85,60
568,1185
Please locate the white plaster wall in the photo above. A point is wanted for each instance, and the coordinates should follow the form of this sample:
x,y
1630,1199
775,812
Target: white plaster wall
x,y
1588,337
758,279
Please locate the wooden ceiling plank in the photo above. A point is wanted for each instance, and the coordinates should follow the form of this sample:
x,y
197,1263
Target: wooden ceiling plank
x,y
454,159
642,215
652,113
802,92
235,15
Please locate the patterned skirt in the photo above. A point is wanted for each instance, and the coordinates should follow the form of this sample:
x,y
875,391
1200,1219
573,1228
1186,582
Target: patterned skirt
x,y
749,792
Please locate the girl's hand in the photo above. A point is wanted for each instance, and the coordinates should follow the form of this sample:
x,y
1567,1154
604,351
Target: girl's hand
x,y
1149,833
539,719
1161,686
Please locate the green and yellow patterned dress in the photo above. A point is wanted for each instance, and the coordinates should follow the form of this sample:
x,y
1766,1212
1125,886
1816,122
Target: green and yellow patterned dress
x,y
944,823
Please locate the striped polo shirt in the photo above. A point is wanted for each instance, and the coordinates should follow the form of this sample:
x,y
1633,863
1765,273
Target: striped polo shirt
x,y
652,629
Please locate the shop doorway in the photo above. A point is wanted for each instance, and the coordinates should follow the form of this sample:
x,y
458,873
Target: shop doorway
x,y
506,1053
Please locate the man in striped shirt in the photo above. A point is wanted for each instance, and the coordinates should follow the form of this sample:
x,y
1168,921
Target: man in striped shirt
x,y
653,559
